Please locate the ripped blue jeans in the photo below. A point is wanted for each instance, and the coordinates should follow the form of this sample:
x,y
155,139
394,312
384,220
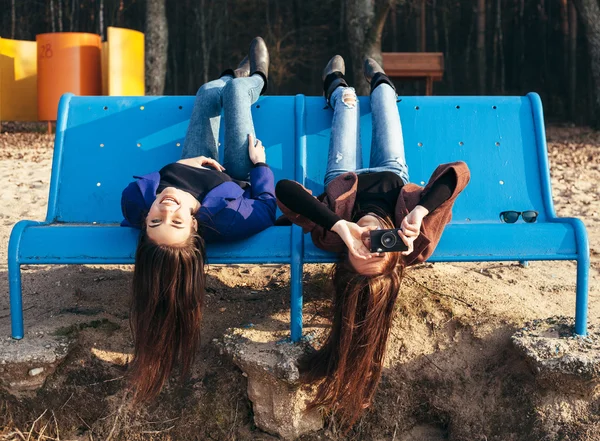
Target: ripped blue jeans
x,y
387,145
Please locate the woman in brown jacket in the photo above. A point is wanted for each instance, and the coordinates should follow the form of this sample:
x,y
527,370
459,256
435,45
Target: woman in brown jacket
x,y
356,201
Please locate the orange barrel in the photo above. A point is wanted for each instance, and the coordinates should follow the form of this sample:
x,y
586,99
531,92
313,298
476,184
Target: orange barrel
x,y
67,62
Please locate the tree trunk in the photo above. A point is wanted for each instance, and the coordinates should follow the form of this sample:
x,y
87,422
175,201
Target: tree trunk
x,y
564,29
13,19
157,40
101,19
394,22
59,8
589,12
364,24
434,25
447,51
481,46
572,88
501,50
423,26
120,13
202,22
495,51
52,15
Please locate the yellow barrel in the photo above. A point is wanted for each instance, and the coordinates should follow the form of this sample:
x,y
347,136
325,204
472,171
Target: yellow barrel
x,y
18,80
123,63
67,62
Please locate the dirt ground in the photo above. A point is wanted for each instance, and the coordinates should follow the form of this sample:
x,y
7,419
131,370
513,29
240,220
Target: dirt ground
x,y
451,371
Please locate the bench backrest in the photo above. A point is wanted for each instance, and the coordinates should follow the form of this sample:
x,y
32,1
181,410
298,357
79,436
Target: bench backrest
x,y
414,64
500,138
103,141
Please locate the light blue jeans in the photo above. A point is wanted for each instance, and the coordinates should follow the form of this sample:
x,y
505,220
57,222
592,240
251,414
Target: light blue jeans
x,y
233,97
387,145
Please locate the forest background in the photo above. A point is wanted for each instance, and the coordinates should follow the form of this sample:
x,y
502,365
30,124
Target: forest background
x,y
491,47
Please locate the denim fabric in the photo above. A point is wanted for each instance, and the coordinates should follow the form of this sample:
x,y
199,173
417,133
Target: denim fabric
x,y
233,97
387,146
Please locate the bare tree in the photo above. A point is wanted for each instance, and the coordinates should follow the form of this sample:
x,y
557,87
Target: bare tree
x,y
52,15
59,9
572,59
73,15
481,46
101,19
364,23
13,19
589,12
157,40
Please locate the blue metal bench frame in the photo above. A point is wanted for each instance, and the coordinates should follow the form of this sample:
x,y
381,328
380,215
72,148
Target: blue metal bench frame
x,y
501,138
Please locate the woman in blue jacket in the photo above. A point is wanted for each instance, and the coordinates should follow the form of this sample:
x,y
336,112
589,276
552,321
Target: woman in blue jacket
x,y
187,203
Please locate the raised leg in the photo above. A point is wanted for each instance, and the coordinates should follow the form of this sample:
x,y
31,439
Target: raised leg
x,y
238,97
202,137
344,145
387,145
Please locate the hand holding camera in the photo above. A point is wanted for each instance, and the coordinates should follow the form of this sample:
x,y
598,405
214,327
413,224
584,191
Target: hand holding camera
x,y
393,240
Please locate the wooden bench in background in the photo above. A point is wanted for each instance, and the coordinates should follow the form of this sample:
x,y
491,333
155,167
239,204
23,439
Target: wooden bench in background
x,y
416,66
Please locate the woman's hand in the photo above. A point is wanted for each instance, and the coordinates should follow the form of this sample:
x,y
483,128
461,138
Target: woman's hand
x,y
411,227
256,150
202,161
352,235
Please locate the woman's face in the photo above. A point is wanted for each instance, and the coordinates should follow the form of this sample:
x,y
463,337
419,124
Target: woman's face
x,y
376,264
170,220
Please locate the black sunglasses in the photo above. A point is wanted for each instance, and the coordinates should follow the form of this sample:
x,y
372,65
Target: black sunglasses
x,y
510,217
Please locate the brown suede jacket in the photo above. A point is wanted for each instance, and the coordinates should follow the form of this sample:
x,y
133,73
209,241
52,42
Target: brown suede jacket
x,y
340,196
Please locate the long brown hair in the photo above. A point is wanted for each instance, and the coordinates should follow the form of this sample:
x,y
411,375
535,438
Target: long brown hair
x,y
166,310
350,361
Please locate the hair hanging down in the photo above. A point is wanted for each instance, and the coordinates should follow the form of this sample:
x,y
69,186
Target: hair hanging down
x,y
166,310
350,361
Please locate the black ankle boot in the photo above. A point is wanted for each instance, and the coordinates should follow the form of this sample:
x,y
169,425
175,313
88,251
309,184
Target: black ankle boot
x,y
243,69
333,76
259,60
375,75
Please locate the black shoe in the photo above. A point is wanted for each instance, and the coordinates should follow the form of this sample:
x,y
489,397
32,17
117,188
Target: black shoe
x,y
375,75
259,60
333,76
243,69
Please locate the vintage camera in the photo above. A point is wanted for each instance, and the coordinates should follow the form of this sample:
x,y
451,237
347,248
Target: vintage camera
x,y
385,241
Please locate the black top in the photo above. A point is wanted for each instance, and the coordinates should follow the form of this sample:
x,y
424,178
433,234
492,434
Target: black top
x,y
376,192
196,181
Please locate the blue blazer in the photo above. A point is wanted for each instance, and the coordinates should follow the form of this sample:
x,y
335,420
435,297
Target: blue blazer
x,y
227,212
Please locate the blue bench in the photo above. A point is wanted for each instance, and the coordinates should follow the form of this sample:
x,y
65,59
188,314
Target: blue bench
x,y
102,141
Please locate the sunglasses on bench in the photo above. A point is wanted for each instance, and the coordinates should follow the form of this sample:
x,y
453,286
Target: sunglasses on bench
x,y
510,217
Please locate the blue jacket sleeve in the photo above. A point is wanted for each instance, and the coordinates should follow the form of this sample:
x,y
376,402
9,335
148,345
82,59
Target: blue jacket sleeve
x,y
256,212
262,183
137,198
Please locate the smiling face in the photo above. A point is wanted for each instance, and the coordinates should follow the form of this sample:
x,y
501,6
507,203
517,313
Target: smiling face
x,y
170,219
375,265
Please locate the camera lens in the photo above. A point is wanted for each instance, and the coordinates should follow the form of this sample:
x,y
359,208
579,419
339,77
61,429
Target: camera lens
x,y
388,239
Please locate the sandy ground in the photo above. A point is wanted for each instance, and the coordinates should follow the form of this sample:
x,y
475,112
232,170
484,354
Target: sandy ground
x,y
454,320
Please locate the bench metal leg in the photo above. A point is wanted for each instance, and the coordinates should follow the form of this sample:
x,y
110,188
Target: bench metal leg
x,y
16,299
581,301
14,279
296,284
524,263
